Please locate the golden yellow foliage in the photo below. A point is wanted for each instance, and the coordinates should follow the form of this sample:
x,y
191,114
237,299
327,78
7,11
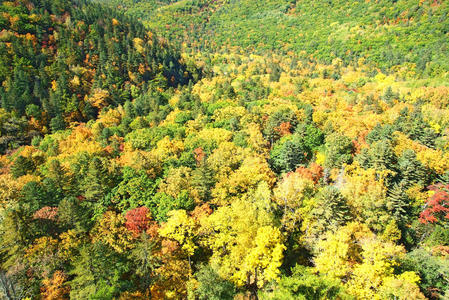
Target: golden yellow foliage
x,y
364,189
434,159
168,149
340,251
177,180
10,188
256,140
378,262
218,135
141,160
254,169
226,158
229,112
181,228
402,286
111,231
81,139
41,247
55,288
69,244
262,263
246,248
112,117
289,196
99,98
138,45
75,81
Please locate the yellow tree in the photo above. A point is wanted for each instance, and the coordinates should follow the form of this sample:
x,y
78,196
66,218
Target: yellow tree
x,y
55,288
256,140
168,149
403,286
99,98
141,160
366,194
177,180
70,242
340,251
289,196
111,231
377,264
225,159
173,273
364,262
182,229
253,170
42,256
262,263
246,247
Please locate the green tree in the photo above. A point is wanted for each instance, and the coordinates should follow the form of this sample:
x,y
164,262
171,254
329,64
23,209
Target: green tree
x,y
212,286
203,181
97,181
289,153
431,269
397,203
338,149
329,212
306,284
22,166
144,261
135,189
284,115
411,170
97,273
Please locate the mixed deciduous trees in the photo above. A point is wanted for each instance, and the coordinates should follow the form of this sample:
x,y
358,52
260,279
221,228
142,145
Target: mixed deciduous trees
x,y
273,176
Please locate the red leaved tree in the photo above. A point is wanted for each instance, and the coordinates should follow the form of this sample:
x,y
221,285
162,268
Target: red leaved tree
x,y
200,155
46,213
314,172
284,129
437,206
138,219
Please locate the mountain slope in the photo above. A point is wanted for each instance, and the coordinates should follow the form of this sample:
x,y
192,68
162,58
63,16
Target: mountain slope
x,y
64,61
317,172
386,33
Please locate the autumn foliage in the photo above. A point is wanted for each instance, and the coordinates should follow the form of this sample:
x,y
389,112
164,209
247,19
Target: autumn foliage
x,y
437,206
137,220
132,168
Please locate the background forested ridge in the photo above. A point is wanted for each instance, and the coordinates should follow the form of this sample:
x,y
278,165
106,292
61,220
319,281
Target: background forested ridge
x,y
63,61
413,34
306,157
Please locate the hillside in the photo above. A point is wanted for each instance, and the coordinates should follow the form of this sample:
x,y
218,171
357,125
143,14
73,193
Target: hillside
x,y
61,62
237,169
413,34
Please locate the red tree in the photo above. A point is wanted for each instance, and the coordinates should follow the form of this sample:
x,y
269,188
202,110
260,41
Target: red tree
x,y
47,213
437,206
314,172
199,155
138,219
284,128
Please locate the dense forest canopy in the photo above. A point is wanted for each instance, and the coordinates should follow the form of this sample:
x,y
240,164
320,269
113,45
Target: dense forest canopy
x,y
410,34
224,149
62,62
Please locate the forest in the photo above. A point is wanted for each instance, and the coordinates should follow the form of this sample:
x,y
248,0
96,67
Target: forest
x,y
224,149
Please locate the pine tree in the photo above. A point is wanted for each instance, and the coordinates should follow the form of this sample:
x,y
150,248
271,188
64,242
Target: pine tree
x,y
93,183
410,169
22,166
444,178
203,181
398,203
330,211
